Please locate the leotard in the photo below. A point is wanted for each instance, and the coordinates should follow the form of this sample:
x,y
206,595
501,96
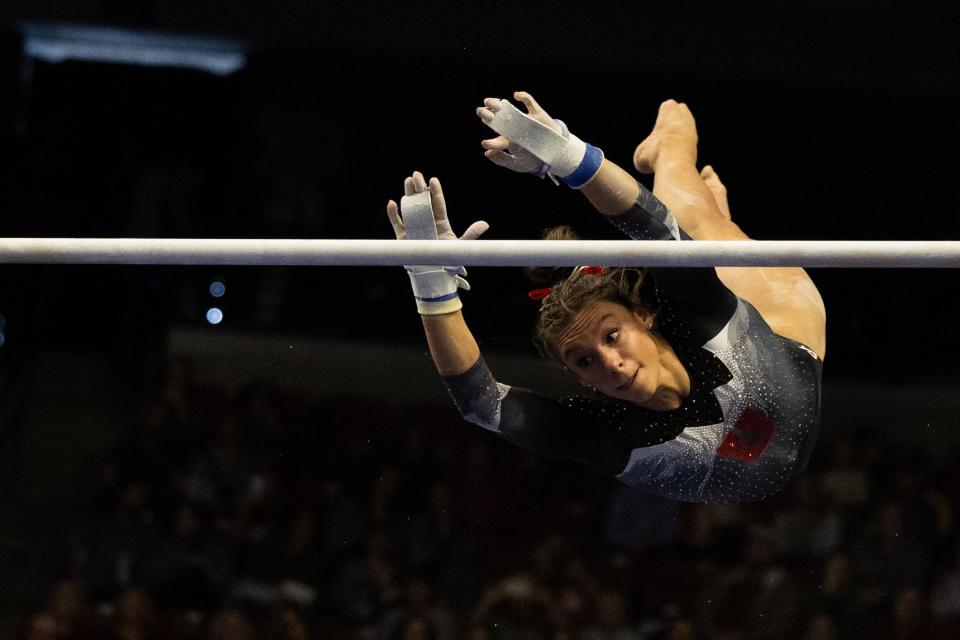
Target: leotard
x,y
745,430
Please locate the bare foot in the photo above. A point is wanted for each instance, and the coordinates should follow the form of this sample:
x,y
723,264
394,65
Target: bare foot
x,y
675,131
719,191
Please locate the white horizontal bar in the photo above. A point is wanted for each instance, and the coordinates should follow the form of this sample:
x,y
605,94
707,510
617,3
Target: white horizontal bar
x,y
494,253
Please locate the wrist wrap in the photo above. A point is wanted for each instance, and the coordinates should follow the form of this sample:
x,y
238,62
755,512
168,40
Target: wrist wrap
x,y
565,155
434,287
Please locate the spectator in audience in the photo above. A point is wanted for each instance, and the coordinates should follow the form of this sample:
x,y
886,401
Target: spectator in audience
x,y
232,624
845,482
414,627
888,557
821,626
517,606
755,599
419,613
806,526
911,614
115,545
136,616
612,619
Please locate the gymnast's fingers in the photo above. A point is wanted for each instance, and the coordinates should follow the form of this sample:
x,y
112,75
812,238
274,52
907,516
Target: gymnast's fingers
x,y
503,159
437,201
393,214
528,101
485,114
419,184
408,186
495,144
475,230
493,104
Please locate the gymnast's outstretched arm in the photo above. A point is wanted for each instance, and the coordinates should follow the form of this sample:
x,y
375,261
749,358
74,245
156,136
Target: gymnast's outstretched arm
x,y
528,419
452,345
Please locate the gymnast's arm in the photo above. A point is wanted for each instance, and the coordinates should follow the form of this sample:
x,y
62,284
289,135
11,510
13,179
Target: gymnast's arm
x,y
436,288
478,396
518,415
452,345
530,420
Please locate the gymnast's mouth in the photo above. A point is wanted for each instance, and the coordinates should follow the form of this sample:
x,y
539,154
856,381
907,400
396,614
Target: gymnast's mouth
x,y
629,383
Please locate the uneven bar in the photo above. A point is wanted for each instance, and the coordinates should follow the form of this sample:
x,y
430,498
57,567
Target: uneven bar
x,y
493,253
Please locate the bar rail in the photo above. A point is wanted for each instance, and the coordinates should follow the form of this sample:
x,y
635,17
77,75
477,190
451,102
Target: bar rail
x,y
494,253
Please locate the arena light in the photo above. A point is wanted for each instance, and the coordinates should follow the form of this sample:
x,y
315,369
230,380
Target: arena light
x,y
55,43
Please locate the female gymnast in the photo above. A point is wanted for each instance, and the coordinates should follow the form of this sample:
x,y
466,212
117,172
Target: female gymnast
x,y
706,381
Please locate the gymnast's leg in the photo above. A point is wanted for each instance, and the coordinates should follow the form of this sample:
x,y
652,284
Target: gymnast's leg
x,y
670,153
785,296
717,188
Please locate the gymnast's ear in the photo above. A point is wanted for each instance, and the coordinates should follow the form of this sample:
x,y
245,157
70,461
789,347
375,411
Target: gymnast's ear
x,y
644,315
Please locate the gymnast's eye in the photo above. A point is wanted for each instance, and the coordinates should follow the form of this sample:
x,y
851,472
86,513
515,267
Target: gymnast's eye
x,y
613,336
583,362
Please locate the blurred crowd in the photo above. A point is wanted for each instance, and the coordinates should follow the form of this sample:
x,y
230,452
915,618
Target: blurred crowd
x,y
266,515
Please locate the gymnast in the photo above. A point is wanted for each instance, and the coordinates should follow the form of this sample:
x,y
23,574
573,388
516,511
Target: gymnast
x,y
705,382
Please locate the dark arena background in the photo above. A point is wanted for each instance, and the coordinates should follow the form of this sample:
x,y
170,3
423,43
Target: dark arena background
x,y
254,452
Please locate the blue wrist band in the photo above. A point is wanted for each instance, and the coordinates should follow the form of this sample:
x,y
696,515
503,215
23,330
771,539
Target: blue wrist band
x,y
588,168
439,306
449,296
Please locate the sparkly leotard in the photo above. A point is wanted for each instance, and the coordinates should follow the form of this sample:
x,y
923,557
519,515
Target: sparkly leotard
x,y
747,427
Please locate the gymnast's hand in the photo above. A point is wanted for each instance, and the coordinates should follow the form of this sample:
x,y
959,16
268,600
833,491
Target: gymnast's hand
x,y
505,153
415,184
434,287
533,142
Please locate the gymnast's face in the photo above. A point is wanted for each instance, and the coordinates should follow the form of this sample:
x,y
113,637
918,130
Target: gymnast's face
x,y
612,349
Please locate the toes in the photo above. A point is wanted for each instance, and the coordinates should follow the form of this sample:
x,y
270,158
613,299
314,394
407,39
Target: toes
x,y
666,105
717,188
673,110
712,178
641,162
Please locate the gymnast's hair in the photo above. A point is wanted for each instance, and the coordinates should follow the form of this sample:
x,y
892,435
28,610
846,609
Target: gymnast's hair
x,y
572,289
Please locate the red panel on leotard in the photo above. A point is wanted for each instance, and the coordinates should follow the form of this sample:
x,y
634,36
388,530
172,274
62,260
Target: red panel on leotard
x,y
749,437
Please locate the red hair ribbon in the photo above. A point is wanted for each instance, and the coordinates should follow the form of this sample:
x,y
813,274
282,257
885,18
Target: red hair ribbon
x,y
539,294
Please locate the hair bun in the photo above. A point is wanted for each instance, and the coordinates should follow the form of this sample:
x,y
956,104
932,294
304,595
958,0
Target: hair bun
x,y
549,276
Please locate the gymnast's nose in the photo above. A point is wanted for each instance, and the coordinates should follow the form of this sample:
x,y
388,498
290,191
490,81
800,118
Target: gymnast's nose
x,y
612,361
